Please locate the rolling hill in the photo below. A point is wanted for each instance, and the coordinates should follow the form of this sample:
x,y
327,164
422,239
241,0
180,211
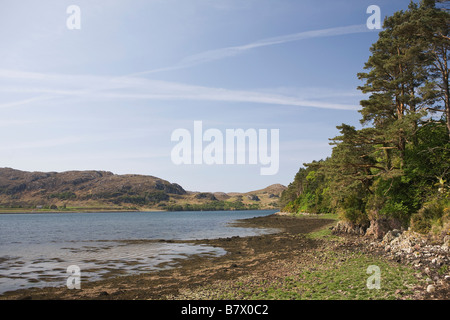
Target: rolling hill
x,y
103,190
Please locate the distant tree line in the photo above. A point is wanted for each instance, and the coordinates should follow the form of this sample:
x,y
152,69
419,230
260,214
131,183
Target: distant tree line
x,y
212,206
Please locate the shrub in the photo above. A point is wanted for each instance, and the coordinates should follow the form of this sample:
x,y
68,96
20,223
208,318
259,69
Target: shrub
x,y
420,224
67,195
433,216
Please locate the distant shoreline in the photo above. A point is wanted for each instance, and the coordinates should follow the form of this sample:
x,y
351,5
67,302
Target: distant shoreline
x,y
70,211
25,211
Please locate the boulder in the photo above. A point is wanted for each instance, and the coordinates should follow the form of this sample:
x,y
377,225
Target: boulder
x,y
253,197
389,237
380,227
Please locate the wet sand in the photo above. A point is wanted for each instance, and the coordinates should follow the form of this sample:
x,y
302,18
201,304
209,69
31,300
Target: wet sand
x,y
245,255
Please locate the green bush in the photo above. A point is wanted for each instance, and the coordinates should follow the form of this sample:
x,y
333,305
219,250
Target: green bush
x,y
420,224
433,215
396,210
63,195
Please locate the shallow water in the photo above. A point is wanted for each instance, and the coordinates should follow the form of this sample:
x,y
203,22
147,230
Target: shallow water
x,y
36,249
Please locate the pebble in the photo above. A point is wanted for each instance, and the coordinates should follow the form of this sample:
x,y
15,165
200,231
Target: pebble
x,y
431,288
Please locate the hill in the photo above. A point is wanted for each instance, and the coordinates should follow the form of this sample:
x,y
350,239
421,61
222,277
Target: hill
x,y
103,190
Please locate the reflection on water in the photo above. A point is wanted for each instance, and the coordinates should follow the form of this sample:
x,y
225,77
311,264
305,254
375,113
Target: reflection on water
x,y
97,260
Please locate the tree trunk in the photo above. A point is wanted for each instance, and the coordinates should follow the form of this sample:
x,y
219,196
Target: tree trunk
x,y
447,102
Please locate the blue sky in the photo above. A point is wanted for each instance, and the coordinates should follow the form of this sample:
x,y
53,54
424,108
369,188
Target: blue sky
x,y
109,95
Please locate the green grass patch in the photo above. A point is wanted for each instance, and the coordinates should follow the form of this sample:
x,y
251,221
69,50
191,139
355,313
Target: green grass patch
x,y
324,233
337,275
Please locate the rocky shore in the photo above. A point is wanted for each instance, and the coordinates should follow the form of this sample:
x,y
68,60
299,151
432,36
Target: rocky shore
x,y
260,255
429,255
310,258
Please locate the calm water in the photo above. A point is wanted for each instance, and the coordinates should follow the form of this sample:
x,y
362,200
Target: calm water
x,y
36,249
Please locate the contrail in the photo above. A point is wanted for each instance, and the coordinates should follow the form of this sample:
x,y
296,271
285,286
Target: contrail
x,y
217,54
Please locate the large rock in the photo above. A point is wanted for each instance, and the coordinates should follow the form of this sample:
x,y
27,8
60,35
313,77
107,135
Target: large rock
x,y
253,197
205,196
390,236
380,227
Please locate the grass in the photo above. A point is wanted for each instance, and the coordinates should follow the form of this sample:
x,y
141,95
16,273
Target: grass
x,y
348,281
324,233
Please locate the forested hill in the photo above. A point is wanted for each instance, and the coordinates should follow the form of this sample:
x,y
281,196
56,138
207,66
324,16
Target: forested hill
x,y
397,166
103,190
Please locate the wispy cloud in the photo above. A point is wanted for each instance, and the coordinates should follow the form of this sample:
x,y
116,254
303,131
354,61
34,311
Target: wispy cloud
x,y
217,54
22,102
133,86
39,142
101,87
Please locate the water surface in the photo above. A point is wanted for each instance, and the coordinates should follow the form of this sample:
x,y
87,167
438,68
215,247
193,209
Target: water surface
x,y
37,248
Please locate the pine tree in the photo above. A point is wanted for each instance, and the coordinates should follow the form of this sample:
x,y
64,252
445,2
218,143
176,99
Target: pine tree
x,y
397,69
433,25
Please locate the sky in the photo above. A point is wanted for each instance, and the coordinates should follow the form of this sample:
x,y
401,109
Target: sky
x,y
109,94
